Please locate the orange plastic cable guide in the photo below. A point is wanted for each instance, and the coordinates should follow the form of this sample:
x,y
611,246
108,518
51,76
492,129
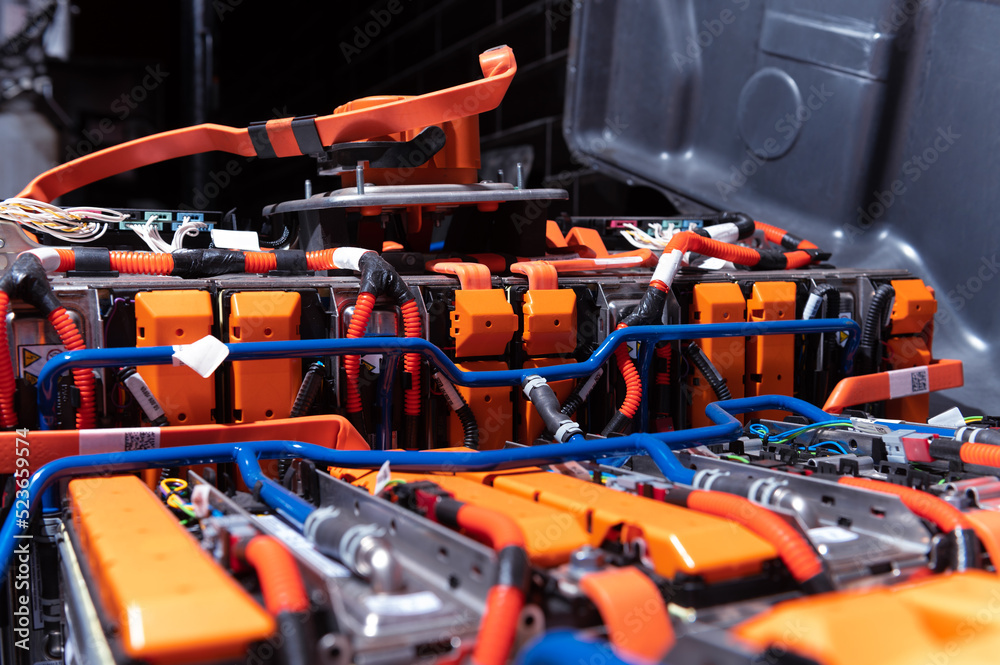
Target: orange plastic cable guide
x,y
277,137
854,390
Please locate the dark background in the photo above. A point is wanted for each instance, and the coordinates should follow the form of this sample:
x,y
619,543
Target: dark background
x,y
237,61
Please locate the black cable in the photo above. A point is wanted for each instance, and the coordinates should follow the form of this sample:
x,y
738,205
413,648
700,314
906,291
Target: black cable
x,y
572,403
466,417
871,332
698,358
304,398
285,233
831,295
308,389
617,425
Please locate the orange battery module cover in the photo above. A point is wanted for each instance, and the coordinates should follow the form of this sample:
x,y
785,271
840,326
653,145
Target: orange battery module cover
x,y
941,619
678,540
550,534
172,602
718,303
264,389
492,406
770,359
165,318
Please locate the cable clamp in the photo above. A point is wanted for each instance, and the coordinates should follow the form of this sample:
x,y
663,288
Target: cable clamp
x,y
567,428
532,382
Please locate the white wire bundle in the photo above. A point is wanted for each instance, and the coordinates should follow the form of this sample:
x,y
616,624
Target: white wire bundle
x,y
654,238
80,224
151,235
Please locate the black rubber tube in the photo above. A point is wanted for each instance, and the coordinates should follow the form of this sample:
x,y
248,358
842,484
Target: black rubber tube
x,y
871,331
698,358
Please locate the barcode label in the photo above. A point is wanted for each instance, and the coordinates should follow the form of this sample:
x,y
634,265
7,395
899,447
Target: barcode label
x,y
119,440
904,382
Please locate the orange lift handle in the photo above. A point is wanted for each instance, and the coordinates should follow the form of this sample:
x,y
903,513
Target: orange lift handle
x,y
542,275
471,276
854,390
287,137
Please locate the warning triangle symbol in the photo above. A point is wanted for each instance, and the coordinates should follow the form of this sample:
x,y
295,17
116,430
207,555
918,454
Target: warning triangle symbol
x,y
30,378
29,357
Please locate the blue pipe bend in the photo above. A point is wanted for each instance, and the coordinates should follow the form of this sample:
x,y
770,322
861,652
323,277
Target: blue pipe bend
x,y
657,446
395,346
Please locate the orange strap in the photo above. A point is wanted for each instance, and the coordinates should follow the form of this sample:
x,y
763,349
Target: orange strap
x,y
633,612
286,137
854,390
542,275
472,276
635,259
329,431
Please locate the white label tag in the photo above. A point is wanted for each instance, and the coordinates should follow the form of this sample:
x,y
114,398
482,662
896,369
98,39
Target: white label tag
x,y
951,418
421,602
912,381
869,426
827,535
203,356
382,478
137,386
118,440
302,547
228,239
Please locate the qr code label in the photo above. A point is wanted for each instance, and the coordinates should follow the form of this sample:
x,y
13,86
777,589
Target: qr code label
x,y
118,440
141,440
905,382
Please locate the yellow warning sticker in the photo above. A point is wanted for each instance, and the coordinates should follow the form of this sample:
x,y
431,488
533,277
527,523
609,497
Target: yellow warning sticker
x,y
32,357
28,357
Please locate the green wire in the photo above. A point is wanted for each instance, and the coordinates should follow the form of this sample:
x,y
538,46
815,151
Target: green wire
x,y
972,419
809,428
745,460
